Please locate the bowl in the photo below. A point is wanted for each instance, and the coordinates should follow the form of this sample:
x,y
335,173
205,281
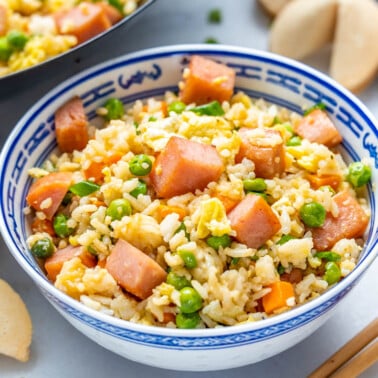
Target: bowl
x,y
75,53
150,73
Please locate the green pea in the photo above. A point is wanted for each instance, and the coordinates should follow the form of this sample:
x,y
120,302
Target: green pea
x,y
214,16
43,248
332,272
140,189
190,300
359,174
213,108
187,321
328,256
84,188
115,109
152,119
60,226
17,40
140,165
254,185
176,107
178,282
312,214
294,141
5,49
284,239
319,105
119,208
216,242
189,259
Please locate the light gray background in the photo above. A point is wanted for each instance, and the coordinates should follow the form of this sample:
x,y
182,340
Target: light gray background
x,y
58,350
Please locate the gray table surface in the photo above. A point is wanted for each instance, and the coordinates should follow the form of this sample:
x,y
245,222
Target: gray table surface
x,y
58,350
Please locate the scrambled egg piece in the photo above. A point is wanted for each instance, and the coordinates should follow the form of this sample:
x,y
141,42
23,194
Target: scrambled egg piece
x,y
314,158
295,251
213,219
76,279
203,129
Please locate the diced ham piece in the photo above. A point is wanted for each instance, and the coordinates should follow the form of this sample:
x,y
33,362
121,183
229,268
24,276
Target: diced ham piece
x,y
84,21
136,272
254,221
317,127
47,193
71,126
207,81
54,263
113,14
350,222
184,166
265,148
3,20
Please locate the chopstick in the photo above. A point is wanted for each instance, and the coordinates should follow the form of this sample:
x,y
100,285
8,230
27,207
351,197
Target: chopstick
x,y
352,366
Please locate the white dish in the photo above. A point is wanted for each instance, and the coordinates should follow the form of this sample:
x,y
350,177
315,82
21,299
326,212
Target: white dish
x,y
150,73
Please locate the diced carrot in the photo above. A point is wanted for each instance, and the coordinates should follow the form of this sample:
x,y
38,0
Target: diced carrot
x,y
318,181
265,148
84,21
3,20
207,81
281,291
112,13
254,221
43,225
350,222
101,263
54,264
71,126
94,170
136,272
317,127
228,202
184,166
47,193
164,210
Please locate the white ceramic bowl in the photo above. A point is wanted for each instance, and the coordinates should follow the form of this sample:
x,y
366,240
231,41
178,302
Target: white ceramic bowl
x,y
151,73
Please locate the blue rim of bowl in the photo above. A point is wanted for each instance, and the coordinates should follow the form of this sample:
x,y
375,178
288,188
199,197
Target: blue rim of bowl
x,y
119,24
222,337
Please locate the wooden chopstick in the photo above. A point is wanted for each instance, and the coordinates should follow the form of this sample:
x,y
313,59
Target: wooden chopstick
x,y
350,349
358,364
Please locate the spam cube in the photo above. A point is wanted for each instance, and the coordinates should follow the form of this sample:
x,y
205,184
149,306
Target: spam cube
x,y
317,127
265,148
83,21
254,221
184,166
207,81
136,272
350,222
